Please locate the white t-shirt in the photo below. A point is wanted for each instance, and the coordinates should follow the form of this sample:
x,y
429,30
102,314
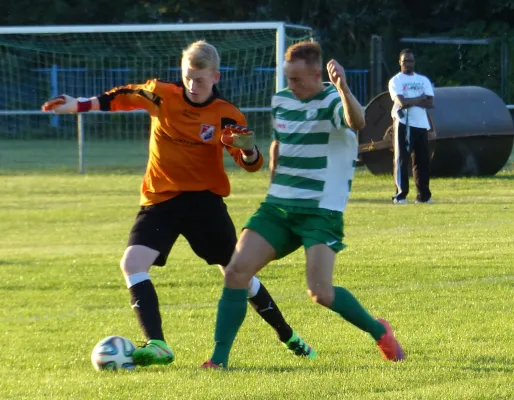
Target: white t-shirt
x,y
410,86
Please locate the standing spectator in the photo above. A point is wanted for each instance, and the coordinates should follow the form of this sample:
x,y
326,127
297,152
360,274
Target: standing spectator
x,y
412,94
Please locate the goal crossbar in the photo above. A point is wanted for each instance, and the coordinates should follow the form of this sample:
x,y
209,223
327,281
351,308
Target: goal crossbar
x,y
279,26
20,30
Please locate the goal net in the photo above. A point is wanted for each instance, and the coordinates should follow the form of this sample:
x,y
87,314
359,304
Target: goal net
x,y
39,63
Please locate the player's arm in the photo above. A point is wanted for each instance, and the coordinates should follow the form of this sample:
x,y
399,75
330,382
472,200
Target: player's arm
x,y
239,141
274,147
64,104
125,98
419,101
273,157
401,102
353,111
428,102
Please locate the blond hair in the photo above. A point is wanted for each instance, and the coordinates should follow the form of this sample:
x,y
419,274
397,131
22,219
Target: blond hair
x,y
202,55
309,51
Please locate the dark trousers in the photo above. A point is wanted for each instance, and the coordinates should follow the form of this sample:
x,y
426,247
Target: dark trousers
x,y
417,145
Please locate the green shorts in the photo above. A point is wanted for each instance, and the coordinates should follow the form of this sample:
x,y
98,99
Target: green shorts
x,y
288,228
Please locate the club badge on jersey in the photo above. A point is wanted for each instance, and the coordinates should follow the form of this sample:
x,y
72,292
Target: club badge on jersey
x,y
207,131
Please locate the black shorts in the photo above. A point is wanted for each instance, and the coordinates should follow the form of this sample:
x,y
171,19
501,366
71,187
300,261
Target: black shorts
x,y
201,217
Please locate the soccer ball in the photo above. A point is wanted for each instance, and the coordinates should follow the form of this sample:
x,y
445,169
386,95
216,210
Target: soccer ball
x,y
113,353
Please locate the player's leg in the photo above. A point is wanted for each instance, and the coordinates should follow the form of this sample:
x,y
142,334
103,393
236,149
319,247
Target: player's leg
x,y
135,265
263,303
150,241
265,223
401,163
207,244
265,238
212,236
320,265
421,164
322,235
252,253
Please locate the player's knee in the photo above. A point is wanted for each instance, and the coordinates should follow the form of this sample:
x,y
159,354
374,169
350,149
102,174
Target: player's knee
x,y
128,266
236,275
231,274
321,296
134,261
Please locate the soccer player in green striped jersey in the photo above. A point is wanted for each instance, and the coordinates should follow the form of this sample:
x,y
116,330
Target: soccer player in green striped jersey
x,y
312,163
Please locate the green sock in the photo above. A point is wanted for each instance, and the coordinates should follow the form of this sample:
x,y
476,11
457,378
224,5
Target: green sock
x,y
346,305
231,314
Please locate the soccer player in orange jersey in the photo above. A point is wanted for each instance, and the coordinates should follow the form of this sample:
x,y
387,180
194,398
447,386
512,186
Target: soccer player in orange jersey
x,y
183,187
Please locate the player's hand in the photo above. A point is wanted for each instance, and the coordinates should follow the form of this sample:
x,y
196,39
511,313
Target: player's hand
x,y
336,74
238,136
62,104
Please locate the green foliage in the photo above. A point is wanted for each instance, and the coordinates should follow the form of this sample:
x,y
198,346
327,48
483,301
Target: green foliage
x,y
343,27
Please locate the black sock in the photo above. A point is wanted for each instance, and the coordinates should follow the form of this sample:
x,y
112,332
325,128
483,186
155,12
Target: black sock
x,y
263,303
146,305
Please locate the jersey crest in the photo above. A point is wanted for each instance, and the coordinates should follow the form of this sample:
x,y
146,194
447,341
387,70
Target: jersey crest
x,y
207,131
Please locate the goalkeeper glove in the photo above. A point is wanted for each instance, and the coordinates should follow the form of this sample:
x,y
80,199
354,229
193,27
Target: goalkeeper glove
x,y
240,137
65,104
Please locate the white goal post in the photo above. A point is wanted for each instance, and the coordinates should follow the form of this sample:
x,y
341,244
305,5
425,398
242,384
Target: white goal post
x,y
40,62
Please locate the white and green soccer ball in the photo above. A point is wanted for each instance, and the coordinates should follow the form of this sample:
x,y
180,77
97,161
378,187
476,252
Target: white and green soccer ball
x,y
113,353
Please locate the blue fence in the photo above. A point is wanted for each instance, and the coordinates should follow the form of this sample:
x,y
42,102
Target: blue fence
x,y
252,87
358,81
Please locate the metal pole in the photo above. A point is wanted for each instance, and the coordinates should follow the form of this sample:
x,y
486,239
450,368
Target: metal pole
x,y
376,66
54,91
281,49
504,71
80,140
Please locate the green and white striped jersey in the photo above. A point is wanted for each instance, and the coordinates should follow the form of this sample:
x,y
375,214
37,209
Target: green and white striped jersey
x,y
317,151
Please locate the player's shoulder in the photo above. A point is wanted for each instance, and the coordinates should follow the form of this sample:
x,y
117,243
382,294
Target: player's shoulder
x,y
427,84
284,94
172,86
421,76
159,86
397,77
224,103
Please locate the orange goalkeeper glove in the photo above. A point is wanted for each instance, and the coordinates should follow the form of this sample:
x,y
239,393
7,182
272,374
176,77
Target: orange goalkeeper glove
x,y
240,137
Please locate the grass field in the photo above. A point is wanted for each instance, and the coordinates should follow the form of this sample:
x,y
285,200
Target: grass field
x,y
443,274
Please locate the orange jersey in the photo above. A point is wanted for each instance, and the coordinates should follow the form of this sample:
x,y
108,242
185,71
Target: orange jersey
x,y
185,152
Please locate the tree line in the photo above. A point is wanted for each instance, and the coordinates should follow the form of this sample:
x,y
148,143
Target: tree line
x,y
344,28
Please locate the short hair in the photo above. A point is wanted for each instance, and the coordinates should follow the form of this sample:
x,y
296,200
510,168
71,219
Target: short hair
x,y
202,55
309,51
406,51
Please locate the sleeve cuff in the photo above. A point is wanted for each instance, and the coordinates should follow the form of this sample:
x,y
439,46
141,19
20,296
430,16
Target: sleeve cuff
x,y
248,159
104,101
